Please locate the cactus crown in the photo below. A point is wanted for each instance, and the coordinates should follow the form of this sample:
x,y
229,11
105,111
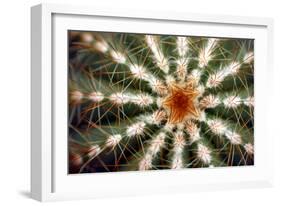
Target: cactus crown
x,y
146,102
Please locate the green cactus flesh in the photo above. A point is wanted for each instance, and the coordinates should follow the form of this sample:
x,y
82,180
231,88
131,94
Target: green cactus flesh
x,y
151,102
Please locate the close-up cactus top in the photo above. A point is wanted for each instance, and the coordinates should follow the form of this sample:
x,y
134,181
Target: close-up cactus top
x,y
152,102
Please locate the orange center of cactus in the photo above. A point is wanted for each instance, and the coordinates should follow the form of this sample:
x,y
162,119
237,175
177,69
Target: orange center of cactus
x,y
181,103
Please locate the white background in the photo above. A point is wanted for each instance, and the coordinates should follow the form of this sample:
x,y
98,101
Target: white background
x,y
15,102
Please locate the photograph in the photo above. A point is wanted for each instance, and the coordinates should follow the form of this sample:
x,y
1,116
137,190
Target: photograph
x,y
141,102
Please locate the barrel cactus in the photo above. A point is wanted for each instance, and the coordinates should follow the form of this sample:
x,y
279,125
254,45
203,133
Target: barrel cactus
x,y
151,102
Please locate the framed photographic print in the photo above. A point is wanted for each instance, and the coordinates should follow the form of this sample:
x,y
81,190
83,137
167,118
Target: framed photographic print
x,y
138,102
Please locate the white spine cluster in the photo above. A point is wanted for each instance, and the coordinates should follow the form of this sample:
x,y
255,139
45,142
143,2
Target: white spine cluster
x,y
138,71
142,100
233,137
202,117
170,79
193,131
217,126
182,68
119,98
182,62
180,126
200,90
232,101
249,148
209,101
101,46
77,159
145,163
248,58
250,101
76,96
161,61
87,37
204,154
232,68
155,145
113,140
206,53
177,161
179,143
117,57
96,96
217,78
94,151
157,85
136,129
158,116
182,46
169,127
194,76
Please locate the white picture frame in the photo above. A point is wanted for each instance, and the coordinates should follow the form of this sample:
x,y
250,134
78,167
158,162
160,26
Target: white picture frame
x,y
49,179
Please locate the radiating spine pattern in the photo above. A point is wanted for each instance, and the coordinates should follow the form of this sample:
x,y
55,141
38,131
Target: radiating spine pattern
x,y
151,102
